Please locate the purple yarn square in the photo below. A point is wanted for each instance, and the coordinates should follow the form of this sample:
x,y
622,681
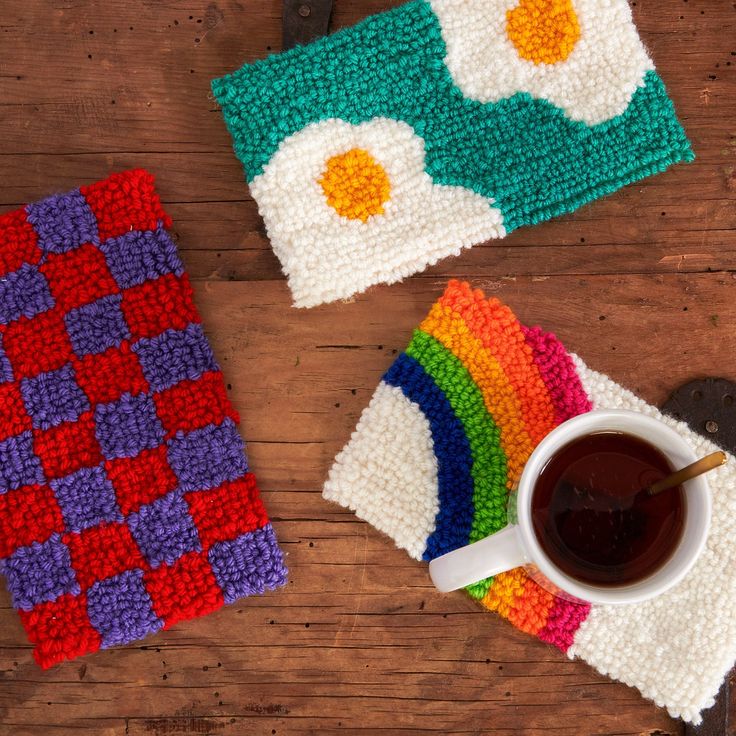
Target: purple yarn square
x,y
86,498
19,464
127,426
54,397
138,256
164,529
175,355
95,327
39,572
251,563
63,222
24,293
6,370
207,457
121,610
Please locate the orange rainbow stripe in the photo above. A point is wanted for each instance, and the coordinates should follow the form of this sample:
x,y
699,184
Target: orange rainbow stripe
x,y
527,385
501,401
496,326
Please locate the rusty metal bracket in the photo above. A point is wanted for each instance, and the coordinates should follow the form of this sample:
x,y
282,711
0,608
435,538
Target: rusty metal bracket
x,y
304,21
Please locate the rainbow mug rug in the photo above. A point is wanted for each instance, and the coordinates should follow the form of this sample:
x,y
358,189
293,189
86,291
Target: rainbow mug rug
x,y
441,124
443,442
126,501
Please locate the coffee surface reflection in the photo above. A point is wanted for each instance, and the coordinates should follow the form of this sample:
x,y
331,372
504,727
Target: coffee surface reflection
x,y
592,516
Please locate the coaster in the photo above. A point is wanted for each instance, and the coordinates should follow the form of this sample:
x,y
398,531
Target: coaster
x,y
126,501
438,125
443,442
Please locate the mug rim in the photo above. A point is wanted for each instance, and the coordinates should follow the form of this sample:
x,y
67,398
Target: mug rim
x,y
697,514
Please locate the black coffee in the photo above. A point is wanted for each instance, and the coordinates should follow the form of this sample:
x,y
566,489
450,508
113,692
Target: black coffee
x,y
592,517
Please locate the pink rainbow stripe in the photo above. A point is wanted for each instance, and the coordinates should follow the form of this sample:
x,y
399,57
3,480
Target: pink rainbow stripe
x,y
569,399
558,373
541,374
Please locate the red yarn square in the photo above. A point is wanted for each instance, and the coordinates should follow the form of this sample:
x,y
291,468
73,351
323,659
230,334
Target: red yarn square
x,y
125,202
103,551
78,277
38,344
228,511
14,418
141,479
105,377
194,404
28,514
68,447
158,305
184,590
109,542
18,242
60,629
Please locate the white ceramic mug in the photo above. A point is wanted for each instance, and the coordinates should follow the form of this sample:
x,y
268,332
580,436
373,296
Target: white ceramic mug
x,y
516,545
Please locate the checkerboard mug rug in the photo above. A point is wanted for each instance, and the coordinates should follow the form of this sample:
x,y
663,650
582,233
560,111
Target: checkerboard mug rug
x,y
443,442
441,124
126,501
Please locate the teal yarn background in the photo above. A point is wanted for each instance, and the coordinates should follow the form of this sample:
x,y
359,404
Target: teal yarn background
x,y
522,152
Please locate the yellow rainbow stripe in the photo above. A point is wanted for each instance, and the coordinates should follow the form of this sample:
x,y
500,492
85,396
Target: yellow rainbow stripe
x,y
495,349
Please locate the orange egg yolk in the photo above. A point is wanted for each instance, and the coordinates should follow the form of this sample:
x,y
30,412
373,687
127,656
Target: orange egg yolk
x,y
543,31
355,184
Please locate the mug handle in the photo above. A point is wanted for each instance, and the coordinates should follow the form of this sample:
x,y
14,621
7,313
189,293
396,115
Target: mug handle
x,y
464,566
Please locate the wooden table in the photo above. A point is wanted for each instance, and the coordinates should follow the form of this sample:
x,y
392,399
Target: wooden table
x,y
642,284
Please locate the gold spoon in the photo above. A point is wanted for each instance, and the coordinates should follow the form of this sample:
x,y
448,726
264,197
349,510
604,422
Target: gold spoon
x,y
582,499
709,462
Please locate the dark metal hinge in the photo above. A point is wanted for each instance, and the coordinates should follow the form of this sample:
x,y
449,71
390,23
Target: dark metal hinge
x,y
304,21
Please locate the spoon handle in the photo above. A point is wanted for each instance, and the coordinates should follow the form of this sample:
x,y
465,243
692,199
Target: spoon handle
x,y
699,467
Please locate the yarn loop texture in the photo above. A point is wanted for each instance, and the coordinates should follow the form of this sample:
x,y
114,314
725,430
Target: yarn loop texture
x,y
441,124
126,501
442,444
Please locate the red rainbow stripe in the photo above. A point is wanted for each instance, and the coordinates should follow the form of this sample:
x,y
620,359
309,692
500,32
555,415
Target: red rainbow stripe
x,y
529,385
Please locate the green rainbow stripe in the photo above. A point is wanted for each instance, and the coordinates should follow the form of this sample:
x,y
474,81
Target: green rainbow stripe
x,y
489,467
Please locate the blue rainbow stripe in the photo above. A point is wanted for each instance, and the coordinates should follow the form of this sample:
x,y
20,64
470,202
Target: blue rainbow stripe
x,y
452,450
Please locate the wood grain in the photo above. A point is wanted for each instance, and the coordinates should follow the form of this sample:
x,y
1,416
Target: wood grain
x,y
641,284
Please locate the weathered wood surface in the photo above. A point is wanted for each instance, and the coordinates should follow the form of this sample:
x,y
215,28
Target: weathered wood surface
x,y
641,284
